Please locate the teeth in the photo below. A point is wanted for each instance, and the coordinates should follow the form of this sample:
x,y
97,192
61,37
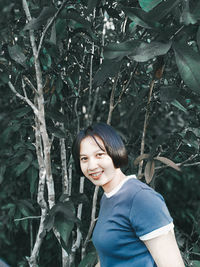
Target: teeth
x,y
95,174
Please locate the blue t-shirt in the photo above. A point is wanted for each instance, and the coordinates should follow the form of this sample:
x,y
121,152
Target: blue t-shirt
x,y
134,211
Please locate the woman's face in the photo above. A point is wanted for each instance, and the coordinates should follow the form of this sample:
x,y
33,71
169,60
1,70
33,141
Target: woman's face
x,y
96,164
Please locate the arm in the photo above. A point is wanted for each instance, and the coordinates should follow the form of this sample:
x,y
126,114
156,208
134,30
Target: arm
x,y
165,251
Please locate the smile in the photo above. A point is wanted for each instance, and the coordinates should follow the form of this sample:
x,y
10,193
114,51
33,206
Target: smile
x,y
96,175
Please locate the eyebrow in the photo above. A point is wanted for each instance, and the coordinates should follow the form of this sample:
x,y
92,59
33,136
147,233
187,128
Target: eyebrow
x,y
94,152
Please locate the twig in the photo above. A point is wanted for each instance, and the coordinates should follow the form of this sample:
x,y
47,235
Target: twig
x,y
27,218
93,220
48,26
145,127
176,32
81,67
124,25
63,156
182,164
112,98
24,98
70,178
77,242
24,89
125,86
90,83
26,79
94,103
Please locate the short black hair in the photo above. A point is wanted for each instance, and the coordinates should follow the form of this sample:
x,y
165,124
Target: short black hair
x,y
112,142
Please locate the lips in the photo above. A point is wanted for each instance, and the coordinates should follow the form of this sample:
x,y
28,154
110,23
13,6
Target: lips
x,y
96,175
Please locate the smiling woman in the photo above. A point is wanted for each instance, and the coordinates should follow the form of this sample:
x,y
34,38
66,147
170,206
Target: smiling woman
x,y
134,227
97,165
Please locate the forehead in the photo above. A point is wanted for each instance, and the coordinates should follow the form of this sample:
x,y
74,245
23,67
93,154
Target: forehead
x,y
88,145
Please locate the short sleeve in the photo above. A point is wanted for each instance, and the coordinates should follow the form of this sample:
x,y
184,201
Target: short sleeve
x,y
149,212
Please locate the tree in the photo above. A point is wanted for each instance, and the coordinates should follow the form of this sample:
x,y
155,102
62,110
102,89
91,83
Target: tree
x,y
65,64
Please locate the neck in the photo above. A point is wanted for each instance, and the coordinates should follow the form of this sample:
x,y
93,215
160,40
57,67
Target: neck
x,y
119,176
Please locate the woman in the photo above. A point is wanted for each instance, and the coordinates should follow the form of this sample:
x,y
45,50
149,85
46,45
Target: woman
x,y
134,227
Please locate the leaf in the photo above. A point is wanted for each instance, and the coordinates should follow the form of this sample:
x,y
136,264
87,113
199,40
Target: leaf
x,y
64,209
56,116
15,52
8,206
137,50
57,132
20,112
2,172
22,167
119,50
195,10
188,62
59,85
147,5
79,198
149,171
77,22
161,10
140,158
88,260
53,34
60,28
168,162
27,203
187,17
36,23
32,175
179,106
191,139
140,17
45,60
4,77
23,209
90,6
64,228
198,37
24,224
195,263
168,93
48,223
146,51
107,69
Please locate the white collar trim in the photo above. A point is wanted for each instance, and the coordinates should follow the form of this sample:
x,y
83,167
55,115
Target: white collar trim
x,y
119,186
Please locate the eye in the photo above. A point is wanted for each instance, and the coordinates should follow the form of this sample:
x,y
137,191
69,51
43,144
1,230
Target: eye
x,y
100,155
83,159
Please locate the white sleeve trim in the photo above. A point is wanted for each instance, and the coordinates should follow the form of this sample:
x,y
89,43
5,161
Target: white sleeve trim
x,y
160,231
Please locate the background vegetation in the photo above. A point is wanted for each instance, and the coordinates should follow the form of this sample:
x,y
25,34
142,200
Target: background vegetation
x,y
65,64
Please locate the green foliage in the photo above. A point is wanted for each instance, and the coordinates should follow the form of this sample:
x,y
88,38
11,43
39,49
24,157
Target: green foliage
x,y
90,47
89,260
188,62
147,5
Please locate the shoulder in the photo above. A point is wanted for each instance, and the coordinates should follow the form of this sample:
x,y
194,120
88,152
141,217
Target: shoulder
x,y
136,187
134,192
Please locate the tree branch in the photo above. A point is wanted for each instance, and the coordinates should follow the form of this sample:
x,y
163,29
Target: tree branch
x,y
27,218
48,26
26,79
93,220
125,87
112,99
145,127
24,98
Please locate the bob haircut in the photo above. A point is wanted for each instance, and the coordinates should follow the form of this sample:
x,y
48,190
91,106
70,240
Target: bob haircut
x,y
112,141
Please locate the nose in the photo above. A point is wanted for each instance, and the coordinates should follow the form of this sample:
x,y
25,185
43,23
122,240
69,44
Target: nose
x,y
92,164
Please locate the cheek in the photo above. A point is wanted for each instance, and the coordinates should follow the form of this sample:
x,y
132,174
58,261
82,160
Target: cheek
x,y
108,163
83,167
